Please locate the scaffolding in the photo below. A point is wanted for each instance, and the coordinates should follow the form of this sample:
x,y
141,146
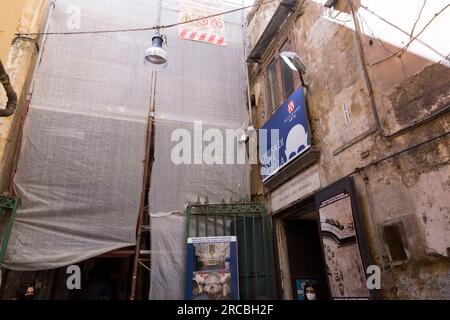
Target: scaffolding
x,y
84,163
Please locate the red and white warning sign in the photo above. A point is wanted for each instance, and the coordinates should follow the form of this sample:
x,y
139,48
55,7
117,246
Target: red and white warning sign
x,y
210,30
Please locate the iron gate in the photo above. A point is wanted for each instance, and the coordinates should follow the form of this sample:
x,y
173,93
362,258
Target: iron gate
x,y
8,207
248,221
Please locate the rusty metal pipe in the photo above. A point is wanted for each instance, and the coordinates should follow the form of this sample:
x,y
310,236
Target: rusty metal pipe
x,y
10,93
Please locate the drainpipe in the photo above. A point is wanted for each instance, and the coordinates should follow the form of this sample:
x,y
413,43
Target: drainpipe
x,y
37,65
249,98
10,93
365,71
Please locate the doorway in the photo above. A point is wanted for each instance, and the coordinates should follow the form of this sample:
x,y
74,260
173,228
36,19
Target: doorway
x,y
303,249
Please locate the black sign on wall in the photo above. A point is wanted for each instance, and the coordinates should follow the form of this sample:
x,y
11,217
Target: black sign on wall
x,y
344,241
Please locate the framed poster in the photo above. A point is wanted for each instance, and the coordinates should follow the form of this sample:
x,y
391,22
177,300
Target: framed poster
x,y
344,242
212,269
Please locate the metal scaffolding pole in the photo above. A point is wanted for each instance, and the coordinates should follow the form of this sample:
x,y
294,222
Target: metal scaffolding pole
x,y
141,228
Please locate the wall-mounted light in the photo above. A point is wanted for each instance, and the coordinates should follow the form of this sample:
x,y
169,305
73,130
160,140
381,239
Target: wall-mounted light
x,y
155,56
295,63
247,134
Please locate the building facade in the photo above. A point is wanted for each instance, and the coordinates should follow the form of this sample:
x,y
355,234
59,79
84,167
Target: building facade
x,y
368,185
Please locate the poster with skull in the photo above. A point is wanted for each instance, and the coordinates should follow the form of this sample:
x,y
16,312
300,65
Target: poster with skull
x,y
212,269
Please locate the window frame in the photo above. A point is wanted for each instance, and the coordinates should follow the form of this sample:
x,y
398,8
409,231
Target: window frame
x,y
287,43
279,92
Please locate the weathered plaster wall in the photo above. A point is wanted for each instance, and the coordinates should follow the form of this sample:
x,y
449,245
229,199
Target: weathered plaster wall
x,y
25,17
409,189
9,19
262,15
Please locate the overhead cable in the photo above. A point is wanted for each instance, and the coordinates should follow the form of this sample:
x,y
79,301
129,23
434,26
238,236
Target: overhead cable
x,y
157,27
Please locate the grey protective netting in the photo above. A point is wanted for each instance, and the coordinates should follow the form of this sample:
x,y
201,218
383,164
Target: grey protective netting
x,y
81,163
205,83
81,169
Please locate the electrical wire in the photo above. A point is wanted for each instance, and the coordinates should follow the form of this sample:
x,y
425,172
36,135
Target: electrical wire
x,y
364,21
330,15
418,18
402,31
157,27
376,162
400,51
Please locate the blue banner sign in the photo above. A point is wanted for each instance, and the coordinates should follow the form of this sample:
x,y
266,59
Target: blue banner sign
x,y
285,136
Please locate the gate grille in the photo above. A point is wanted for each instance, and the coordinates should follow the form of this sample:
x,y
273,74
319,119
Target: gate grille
x,y
8,207
249,222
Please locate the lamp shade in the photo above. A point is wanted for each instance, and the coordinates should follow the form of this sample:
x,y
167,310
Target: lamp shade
x,y
155,56
293,61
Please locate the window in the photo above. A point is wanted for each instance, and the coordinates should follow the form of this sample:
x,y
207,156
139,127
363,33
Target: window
x,y
272,81
393,239
281,80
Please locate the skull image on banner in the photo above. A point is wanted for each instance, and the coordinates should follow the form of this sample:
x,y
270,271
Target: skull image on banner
x,y
210,30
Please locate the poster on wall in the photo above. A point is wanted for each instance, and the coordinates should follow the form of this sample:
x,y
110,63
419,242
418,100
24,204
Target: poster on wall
x,y
343,260
209,30
285,137
212,269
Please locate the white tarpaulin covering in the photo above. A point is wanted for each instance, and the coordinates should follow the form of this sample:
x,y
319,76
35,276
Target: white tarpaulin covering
x,y
81,164
203,83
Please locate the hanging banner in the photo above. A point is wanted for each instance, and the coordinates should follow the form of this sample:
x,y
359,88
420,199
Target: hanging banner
x,y
285,136
209,30
212,269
